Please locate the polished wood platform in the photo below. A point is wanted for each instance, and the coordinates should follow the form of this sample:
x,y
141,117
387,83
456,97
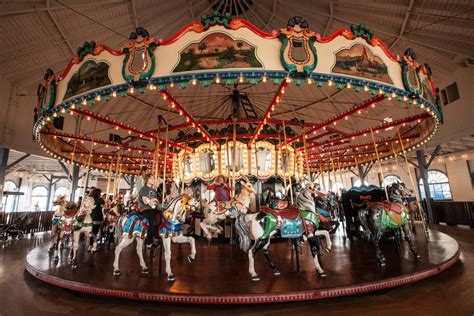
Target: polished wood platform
x,y
215,278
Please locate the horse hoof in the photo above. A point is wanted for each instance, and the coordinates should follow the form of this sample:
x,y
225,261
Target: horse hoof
x,y
145,271
322,275
74,265
117,273
190,260
416,255
328,250
171,278
255,278
276,272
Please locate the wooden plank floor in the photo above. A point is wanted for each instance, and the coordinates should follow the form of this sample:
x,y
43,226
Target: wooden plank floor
x,y
448,293
216,278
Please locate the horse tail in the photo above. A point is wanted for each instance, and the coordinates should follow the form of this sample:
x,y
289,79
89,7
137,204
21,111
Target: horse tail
x,y
243,231
118,230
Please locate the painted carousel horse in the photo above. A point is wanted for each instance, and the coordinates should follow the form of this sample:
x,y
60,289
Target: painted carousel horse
x,y
112,214
83,226
129,229
282,219
399,193
306,201
170,227
379,217
55,232
215,212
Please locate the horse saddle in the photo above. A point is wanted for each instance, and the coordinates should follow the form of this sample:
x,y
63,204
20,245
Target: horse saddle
x,y
289,212
392,210
324,215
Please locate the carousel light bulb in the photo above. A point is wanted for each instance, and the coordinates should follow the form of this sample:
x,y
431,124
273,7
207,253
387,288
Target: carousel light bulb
x,y
310,81
241,79
264,79
405,98
218,80
116,128
393,95
288,79
84,102
114,94
348,85
97,98
73,106
346,117
359,112
372,105
164,96
422,106
193,82
63,110
366,88
330,83
88,118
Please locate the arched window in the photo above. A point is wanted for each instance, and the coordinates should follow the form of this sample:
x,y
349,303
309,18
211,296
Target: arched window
x,y
10,201
39,196
358,183
391,178
439,186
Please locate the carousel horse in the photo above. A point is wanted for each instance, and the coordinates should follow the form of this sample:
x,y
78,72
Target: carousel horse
x,y
83,226
170,227
282,219
112,214
215,212
378,218
64,224
399,193
55,232
129,229
306,201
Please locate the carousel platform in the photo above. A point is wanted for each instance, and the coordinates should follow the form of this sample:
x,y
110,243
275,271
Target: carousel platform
x,y
216,278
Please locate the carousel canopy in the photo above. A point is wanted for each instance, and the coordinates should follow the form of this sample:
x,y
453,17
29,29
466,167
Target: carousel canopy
x,y
222,96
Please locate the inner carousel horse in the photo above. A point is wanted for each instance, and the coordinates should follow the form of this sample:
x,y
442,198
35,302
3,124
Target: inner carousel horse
x,y
307,200
379,217
83,226
215,211
282,219
55,232
399,193
117,209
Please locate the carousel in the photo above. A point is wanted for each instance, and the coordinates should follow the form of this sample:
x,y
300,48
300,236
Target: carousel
x,y
234,131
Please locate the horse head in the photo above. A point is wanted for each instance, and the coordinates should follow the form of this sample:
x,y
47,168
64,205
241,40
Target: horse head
x,y
61,201
87,205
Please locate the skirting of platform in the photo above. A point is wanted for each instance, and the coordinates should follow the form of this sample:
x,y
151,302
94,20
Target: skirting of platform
x,y
215,278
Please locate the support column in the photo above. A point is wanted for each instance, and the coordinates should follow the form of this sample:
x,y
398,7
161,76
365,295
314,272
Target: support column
x,y
74,182
361,172
3,170
132,184
50,191
420,154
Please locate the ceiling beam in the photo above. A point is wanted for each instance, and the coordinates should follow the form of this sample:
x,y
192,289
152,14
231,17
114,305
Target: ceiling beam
x,y
134,14
17,161
58,27
404,24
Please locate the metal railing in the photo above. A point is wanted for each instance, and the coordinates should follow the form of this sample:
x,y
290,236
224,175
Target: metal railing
x,y
34,222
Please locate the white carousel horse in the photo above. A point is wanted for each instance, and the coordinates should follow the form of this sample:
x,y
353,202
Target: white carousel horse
x,y
130,228
170,224
83,225
288,222
55,232
214,212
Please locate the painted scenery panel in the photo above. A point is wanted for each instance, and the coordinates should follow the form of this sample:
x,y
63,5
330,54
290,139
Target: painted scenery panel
x,y
217,51
91,75
360,61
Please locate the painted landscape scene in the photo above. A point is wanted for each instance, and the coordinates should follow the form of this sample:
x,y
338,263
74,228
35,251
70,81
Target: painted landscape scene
x,y
217,51
360,61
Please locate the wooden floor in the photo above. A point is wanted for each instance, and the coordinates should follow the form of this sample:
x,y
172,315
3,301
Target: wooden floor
x,y
448,293
216,278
